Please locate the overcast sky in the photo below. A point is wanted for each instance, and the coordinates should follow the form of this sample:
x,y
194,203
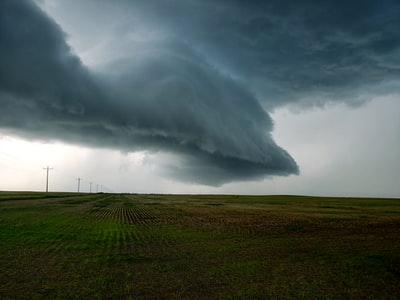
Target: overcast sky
x,y
248,97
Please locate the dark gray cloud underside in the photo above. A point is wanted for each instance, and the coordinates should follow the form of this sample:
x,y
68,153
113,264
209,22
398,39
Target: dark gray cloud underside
x,y
293,52
219,167
163,101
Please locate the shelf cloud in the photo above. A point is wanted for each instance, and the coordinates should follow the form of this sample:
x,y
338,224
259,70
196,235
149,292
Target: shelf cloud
x,y
163,101
191,78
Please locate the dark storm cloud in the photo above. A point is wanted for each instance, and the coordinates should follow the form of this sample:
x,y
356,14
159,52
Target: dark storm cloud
x,y
192,77
304,52
170,98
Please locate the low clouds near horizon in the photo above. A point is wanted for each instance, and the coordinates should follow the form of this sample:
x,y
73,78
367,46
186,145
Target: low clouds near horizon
x,y
191,78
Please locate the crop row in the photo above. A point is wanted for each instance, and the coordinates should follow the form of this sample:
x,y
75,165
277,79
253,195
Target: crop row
x,y
124,215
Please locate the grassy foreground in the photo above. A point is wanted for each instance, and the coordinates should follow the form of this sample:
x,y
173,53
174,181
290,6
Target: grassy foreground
x,y
117,246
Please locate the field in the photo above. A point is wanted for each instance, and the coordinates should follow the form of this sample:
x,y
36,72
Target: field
x,y
129,246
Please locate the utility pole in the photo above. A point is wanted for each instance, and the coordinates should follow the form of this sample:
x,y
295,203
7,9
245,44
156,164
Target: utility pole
x,y
97,188
47,177
79,182
90,186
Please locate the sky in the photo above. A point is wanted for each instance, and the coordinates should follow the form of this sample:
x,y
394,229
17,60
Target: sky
x,y
241,97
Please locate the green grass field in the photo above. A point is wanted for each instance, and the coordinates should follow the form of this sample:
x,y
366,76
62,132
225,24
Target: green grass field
x,y
118,246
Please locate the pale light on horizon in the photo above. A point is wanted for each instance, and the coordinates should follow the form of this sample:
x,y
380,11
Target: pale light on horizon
x,y
323,160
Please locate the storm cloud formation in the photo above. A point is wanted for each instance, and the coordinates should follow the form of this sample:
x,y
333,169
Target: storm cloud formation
x,y
283,52
193,77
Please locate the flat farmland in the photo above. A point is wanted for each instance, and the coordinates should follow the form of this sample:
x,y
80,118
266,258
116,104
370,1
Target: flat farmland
x,y
131,246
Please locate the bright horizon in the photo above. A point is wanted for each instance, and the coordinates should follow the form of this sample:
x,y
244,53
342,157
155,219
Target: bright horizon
x,y
22,161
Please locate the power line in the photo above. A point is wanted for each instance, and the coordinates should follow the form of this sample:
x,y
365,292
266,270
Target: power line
x,y
47,177
79,182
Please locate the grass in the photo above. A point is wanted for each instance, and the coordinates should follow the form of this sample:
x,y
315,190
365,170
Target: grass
x,y
96,246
